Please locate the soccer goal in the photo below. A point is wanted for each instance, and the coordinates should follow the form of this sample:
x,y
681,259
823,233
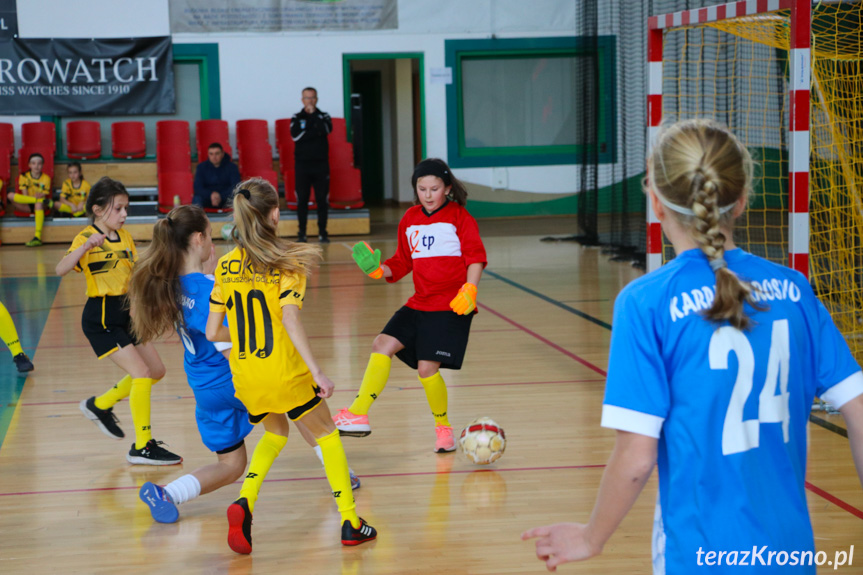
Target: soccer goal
x,y
786,77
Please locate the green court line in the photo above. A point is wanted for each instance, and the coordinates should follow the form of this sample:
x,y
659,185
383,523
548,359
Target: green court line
x,y
20,294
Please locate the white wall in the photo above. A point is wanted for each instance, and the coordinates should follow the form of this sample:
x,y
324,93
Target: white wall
x,y
262,75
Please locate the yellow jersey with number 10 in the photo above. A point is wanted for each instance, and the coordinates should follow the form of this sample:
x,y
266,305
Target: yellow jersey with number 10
x,y
269,374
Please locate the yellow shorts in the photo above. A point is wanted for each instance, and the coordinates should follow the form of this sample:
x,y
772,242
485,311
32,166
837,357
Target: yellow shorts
x,y
295,398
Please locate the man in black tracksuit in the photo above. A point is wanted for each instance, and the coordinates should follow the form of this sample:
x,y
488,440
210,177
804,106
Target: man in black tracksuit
x,y
309,129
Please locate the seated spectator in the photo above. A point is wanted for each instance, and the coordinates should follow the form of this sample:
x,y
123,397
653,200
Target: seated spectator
x,y
215,178
73,195
33,195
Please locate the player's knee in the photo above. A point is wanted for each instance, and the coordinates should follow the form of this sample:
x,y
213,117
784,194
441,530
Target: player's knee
x,y
385,344
158,373
425,370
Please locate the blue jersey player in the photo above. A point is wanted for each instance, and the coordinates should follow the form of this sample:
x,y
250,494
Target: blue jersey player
x,y
169,288
715,360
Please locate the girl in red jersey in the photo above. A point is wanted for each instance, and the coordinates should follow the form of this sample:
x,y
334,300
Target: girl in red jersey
x,y
438,240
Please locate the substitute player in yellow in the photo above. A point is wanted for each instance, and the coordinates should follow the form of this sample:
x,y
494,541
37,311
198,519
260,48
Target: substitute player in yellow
x,y
260,285
73,194
105,252
33,195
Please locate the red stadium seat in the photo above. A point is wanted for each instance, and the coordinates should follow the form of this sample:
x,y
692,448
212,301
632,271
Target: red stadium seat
x,y
5,176
341,155
47,155
172,133
128,140
173,159
346,188
7,139
339,133
251,132
174,188
208,132
40,135
83,140
285,144
257,156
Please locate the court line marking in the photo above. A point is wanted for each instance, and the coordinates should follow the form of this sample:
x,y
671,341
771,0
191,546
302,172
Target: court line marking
x,y
397,388
837,429
550,300
816,490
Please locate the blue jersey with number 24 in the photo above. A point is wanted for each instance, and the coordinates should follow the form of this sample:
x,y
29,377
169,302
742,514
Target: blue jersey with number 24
x,y
729,409
203,360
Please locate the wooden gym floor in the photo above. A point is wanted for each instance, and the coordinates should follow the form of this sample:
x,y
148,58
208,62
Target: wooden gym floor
x,y
536,364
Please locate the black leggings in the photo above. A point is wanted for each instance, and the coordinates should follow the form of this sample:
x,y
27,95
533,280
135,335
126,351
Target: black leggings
x,y
320,181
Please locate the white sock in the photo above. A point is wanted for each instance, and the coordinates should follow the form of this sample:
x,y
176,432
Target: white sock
x,y
184,489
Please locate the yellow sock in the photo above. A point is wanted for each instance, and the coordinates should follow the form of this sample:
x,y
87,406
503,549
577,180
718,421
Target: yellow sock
x,y
139,402
64,209
120,391
8,333
374,381
437,398
80,214
40,221
266,451
336,467
24,199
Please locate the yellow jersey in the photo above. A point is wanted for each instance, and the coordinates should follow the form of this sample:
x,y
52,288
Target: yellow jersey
x,y
270,376
73,194
109,266
30,186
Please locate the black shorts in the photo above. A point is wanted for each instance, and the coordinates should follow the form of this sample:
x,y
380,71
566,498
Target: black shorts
x,y
107,324
431,336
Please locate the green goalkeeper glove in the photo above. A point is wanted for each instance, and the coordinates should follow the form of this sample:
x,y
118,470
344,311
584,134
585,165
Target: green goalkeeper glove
x,y
368,260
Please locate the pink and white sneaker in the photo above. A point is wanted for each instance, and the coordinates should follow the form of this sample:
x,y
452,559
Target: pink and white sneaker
x,y
351,424
445,440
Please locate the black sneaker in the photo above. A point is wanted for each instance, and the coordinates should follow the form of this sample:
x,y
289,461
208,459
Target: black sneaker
x,y
152,454
351,536
324,238
302,239
240,526
23,363
104,418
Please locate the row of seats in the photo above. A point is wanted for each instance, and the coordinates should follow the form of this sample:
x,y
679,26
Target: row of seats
x,y
254,157
173,153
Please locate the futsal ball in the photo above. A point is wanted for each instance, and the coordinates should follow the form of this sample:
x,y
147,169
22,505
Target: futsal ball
x,y
482,441
227,232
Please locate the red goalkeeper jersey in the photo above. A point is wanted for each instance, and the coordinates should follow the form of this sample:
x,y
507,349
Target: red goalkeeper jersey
x,y
437,248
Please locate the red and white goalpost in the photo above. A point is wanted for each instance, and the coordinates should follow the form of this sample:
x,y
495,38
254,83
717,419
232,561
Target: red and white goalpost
x,y
794,125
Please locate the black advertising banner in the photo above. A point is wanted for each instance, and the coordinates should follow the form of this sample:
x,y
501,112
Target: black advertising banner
x,y
70,77
8,19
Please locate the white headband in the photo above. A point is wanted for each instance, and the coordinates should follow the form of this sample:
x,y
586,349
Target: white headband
x,y
680,209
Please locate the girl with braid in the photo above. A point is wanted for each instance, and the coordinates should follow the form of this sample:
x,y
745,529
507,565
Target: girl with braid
x,y
715,359
260,285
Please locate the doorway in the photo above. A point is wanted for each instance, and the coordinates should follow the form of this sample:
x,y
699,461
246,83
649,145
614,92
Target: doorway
x,y
389,136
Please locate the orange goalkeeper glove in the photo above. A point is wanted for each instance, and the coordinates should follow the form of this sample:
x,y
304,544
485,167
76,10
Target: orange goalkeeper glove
x,y
464,301
368,260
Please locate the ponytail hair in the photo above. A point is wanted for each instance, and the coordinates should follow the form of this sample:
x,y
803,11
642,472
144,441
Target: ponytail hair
x,y
439,168
700,170
253,201
155,294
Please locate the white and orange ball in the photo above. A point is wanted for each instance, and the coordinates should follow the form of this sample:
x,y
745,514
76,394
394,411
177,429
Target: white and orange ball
x,y
482,441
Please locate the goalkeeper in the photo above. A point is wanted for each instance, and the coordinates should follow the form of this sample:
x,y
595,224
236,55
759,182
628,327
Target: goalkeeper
x,y
438,240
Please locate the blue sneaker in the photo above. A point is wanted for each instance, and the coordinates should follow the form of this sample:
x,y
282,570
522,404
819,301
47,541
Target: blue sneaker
x,y
355,481
161,507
